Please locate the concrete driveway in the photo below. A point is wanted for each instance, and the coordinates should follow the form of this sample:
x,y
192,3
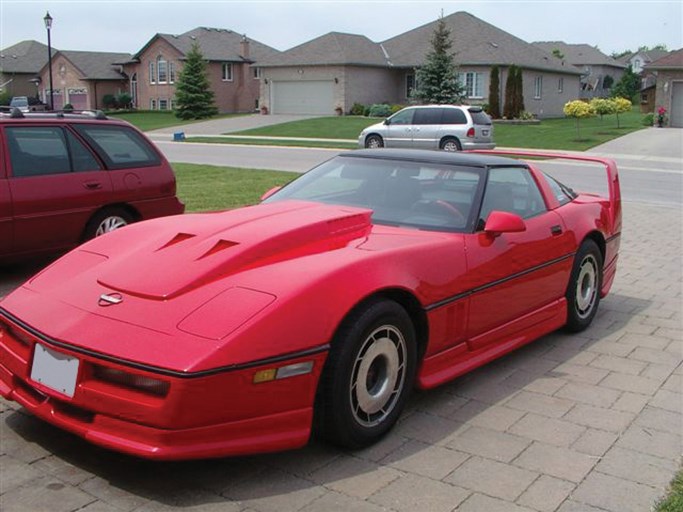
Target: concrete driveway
x,y
229,124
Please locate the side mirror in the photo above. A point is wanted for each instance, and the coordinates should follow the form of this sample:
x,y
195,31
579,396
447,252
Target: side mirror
x,y
387,122
270,193
503,222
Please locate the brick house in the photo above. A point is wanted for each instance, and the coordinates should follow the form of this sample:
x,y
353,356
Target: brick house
x,y
82,79
233,74
334,71
669,88
19,66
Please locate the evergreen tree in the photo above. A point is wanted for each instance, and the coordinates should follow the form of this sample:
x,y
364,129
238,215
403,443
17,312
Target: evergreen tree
x,y
510,82
519,93
494,93
628,86
194,97
437,80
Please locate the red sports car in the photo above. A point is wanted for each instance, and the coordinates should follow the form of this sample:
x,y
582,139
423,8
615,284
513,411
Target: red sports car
x,y
237,332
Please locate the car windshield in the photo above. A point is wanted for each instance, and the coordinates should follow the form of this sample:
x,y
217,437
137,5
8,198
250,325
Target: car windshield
x,y
19,102
420,195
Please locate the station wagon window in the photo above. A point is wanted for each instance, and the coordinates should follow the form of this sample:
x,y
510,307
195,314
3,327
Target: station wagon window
x,y
513,190
453,116
119,146
427,116
38,151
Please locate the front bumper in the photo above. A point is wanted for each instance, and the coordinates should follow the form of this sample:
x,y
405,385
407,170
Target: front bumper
x,y
221,414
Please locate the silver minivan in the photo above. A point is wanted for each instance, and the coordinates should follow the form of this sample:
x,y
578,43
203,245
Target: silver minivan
x,y
447,127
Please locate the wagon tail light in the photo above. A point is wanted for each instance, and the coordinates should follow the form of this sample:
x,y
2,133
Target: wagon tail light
x,y
470,132
142,383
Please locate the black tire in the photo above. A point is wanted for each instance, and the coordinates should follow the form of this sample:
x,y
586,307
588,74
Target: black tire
x,y
374,141
368,375
583,291
107,220
450,144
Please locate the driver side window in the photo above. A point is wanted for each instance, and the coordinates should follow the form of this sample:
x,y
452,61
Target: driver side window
x,y
403,117
513,190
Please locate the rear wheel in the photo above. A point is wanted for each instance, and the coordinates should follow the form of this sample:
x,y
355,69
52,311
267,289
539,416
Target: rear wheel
x,y
583,293
451,144
374,141
368,375
107,220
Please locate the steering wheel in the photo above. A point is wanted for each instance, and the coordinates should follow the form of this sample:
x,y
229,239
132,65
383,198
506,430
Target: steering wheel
x,y
440,207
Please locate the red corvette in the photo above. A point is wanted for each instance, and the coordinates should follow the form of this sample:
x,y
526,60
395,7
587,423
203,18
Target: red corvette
x,y
237,332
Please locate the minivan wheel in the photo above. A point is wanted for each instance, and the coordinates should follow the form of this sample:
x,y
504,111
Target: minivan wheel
x,y
374,141
451,145
106,221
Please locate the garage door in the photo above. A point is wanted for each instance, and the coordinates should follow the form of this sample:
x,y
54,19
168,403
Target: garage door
x,y
676,118
302,97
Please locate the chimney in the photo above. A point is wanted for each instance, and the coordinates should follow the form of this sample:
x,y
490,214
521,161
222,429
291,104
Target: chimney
x,y
244,47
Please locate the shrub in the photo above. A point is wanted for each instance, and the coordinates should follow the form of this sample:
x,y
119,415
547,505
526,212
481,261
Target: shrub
x,y
5,98
526,116
579,110
68,107
380,110
603,106
123,100
621,105
109,101
649,119
395,108
357,109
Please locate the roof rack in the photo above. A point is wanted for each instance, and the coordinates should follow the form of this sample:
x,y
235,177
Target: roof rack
x,y
15,113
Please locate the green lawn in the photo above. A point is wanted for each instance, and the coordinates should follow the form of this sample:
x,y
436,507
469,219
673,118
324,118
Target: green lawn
x,y
207,188
154,120
549,134
674,500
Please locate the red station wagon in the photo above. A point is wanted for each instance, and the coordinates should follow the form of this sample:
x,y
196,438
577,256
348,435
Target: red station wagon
x,y
66,178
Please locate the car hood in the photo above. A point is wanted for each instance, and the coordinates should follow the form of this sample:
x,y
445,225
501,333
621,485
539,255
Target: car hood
x,y
186,284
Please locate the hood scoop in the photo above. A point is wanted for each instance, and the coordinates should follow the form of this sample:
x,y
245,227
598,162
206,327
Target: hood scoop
x,y
176,259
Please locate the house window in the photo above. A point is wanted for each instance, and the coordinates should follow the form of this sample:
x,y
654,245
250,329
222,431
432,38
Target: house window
x,y
171,72
227,72
152,104
560,84
162,70
538,87
163,104
257,73
152,74
410,85
172,104
473,83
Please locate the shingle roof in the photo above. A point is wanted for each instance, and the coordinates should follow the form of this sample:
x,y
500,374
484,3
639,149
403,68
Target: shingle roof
x,y
653,55
668,61
216,44
334,48
475,42
579,54
24,57
97,65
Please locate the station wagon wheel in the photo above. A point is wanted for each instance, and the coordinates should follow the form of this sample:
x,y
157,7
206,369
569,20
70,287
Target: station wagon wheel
x,y
583,292
451,144
374,141
368,375
106,221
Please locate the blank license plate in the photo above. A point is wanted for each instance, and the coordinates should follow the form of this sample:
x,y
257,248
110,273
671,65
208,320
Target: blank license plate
x,y
485,132
55,370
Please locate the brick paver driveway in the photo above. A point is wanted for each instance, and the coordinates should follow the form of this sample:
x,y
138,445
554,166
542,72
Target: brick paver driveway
x,y
588,422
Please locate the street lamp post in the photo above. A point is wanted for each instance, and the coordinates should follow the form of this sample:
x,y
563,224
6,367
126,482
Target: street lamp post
x,y
48,26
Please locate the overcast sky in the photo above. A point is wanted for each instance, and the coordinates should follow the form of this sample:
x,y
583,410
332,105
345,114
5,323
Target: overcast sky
x,y
126,26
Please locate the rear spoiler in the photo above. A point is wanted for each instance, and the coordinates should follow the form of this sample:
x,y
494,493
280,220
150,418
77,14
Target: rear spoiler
x,y
610,167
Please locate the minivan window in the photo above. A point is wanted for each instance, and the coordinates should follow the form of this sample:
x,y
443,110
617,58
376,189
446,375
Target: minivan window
x,y
427,116
402,117
119,146
36,151
454,116
479,116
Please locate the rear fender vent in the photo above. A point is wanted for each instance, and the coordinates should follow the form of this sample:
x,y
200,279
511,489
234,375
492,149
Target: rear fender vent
x,y
218,247
180,237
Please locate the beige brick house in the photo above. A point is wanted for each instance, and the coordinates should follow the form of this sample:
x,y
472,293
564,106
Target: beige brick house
x,y
232,68
669,88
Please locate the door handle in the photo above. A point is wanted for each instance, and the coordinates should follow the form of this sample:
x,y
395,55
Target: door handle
x,y
556,230
92,185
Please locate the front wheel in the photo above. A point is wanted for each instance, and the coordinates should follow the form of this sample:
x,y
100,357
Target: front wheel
x,y
368,375
583,292
374,141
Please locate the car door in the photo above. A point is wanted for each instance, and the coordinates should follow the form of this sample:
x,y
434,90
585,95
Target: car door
x,y
399,129
516,278
56,185
426,127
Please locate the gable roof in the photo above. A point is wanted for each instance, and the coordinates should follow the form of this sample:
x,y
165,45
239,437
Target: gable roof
x,y
579,54
96,65
216,44
672,60
334,48
475,42
24,57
